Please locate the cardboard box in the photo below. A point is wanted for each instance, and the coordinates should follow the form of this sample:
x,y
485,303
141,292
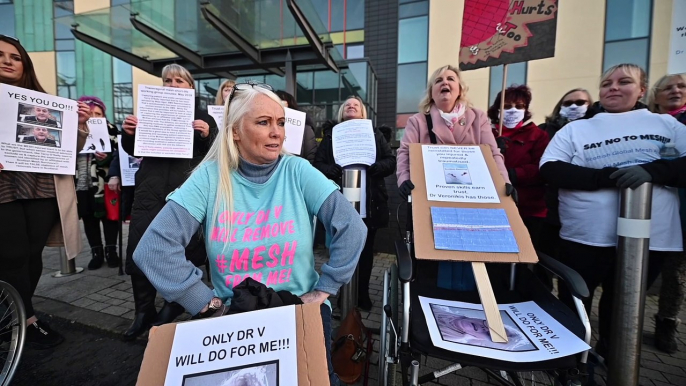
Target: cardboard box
x,y
311,353
423,227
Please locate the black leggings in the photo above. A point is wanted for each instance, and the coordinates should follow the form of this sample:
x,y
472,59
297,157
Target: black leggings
x,y
596,265
91,226
24,229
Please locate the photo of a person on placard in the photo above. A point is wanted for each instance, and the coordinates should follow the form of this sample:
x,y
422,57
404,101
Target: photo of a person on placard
x,y
258,375
39,115
468,326
38,136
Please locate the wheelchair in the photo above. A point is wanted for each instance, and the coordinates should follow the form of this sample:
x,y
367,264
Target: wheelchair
x,y
405,338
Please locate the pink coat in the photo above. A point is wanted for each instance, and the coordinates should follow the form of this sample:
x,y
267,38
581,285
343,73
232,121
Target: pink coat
x,y
476,131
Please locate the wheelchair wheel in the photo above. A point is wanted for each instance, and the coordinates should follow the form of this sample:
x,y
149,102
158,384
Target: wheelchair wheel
x,y
12,331
388,341
534,378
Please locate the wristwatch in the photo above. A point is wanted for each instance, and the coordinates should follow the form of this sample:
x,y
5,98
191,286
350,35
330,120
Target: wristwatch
x,y
214,305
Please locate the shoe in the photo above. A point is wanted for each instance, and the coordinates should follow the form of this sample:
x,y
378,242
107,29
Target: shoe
x,y
41,337
364,303
140,324
111,256
98,258
665,334
168,313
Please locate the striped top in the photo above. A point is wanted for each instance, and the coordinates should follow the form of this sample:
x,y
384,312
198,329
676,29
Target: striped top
x,y
23,186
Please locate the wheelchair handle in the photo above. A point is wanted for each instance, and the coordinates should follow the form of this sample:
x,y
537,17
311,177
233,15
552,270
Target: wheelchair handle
x,y
388,311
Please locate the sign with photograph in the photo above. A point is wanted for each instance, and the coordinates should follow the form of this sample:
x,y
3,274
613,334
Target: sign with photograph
x,y
259,346
496,32
532,334
38,132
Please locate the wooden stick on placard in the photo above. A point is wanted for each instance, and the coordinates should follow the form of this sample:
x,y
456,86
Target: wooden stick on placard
x,y
495,322
502,101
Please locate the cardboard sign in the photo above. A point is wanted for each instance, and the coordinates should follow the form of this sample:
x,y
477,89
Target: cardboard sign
x,y
423,225
498,32
309,347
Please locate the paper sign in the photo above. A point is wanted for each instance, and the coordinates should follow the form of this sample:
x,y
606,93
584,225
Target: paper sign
x,y
533,335
217,112
457,174
128,166
165,122
473,230
295,130
98,138
222,351
677,44
353,142
38,132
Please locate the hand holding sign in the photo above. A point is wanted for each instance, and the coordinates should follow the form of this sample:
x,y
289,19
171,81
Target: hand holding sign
x,y
84,113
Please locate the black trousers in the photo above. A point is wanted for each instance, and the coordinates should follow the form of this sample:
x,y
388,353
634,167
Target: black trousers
x,y
596,265
91,226
24,229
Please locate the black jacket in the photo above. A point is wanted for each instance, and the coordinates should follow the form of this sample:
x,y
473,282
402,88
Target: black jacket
x,y
155,179
377,195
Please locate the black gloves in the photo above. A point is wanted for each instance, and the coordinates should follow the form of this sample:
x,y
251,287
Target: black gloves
x,y
512,192
631,177
512,173
374,170
502,144
406,189
335,171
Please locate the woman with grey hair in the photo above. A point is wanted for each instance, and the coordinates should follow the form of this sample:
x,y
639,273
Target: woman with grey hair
x,y
155,179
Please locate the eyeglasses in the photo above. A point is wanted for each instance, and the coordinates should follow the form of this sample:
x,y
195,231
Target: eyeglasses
x,y
246,86
10,37
679,86
578,102
520,106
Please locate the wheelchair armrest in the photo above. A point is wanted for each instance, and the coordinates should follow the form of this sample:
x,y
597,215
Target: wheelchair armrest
x,y
405,270
574,282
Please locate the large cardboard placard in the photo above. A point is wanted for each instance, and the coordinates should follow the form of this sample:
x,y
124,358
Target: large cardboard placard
x,y
423,228
311,355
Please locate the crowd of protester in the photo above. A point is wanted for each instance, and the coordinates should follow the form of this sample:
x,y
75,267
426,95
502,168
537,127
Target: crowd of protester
x,y
566,190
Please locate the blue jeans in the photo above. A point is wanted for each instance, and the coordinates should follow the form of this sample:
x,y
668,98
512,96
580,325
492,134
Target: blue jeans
x,y
326,322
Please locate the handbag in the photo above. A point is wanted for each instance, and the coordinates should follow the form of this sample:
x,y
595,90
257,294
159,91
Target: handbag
x,y
348,353
112,202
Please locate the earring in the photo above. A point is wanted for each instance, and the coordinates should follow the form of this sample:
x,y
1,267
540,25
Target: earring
x,y
284,137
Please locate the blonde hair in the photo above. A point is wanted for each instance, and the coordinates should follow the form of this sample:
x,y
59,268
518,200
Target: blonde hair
x,y
427,101
341,109
219,99
173,70
224,150
633,70
657,87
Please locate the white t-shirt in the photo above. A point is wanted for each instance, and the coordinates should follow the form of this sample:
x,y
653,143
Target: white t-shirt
x,y
616,140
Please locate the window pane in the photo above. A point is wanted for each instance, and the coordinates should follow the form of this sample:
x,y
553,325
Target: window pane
x,y
65,45
121,71
627,19
305,86
412,39
322,8
516,74
336,16
355,51
7,20
411,85
413,9
277,82
325,86
628,51
354,18
66,71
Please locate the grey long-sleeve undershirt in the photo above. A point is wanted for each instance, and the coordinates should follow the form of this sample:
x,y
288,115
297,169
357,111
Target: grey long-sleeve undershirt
x,y
160,253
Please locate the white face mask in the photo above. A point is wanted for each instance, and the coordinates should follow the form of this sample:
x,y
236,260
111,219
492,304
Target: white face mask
x,y
512,117
573,112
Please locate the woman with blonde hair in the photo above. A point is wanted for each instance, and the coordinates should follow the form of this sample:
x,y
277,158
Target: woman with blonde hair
x,y
246,172
668,96
446,117
223,92
588,160
155,179
374,206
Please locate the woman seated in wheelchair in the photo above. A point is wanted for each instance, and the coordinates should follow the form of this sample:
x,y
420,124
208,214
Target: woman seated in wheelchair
x,y
446,117
255,204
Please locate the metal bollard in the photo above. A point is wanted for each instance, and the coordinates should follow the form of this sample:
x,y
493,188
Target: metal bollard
x,y
67,266
352,191
631,269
